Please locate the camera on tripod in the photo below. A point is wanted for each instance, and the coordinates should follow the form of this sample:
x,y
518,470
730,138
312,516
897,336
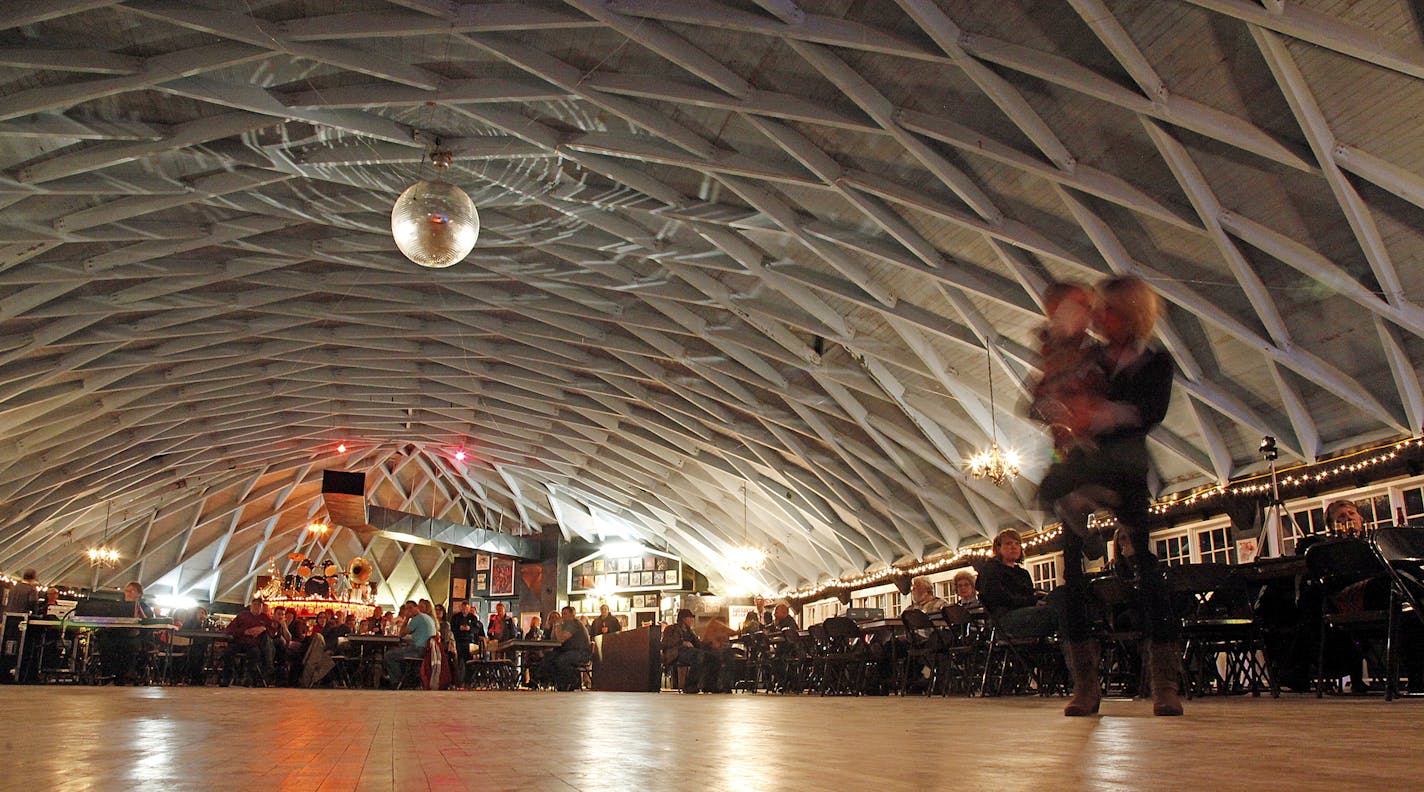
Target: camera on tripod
x,y
1268,449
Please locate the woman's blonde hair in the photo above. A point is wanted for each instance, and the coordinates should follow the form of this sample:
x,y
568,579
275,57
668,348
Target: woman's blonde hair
x,y
1135,301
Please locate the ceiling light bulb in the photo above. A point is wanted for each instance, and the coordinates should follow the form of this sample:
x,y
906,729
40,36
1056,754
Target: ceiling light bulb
x,y
460,455
341,449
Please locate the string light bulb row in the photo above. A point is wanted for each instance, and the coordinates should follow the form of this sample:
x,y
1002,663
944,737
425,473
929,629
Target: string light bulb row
x,y
921,567
1297,476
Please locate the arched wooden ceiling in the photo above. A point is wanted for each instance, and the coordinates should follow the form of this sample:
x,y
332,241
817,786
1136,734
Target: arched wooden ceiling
x,y
725,245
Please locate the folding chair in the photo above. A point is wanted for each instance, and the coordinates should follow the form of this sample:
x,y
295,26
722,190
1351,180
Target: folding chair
x,y
1222,643
1401,550
1345,568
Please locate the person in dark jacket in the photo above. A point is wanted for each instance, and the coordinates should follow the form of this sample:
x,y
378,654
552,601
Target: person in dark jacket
x,y
1110,469
605,623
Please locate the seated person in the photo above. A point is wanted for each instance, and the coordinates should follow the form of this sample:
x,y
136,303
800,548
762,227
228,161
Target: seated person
x,y
419,628
782,619
1007,592
560,667
682,647
120,648
922,596
251,632
535,631
965,591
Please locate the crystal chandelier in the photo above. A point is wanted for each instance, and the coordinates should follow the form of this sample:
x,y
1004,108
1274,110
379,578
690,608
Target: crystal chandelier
x,y
435,223
994,463
747,556
103,555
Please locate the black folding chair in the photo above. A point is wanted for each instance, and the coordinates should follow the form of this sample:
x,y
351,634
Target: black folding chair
x,y
1401,550
847,659
1121,637
1020,664
1346,569
920,653
1223,647
961,651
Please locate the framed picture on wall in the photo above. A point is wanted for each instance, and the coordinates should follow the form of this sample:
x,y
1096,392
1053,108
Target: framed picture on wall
x,y
459,588
598,566
481,582
501,577
646,578
659,578
662,564
622,580
482,561
649,563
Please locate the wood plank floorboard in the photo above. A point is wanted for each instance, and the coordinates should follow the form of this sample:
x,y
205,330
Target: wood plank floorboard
x,y
221,739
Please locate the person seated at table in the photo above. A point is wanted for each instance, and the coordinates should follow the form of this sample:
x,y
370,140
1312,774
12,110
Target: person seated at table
x,y
535,630
923,598
560,667
418,630
251,638
500,629
682,647
606,622
965,591
120,648
782,619
1007,592
336,629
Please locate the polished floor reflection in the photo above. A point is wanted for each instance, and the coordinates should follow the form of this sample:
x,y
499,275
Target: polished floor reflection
x,y
215,739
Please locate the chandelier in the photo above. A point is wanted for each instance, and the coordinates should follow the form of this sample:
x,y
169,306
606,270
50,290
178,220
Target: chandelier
x,y
746,556
434,223
103,555
994,463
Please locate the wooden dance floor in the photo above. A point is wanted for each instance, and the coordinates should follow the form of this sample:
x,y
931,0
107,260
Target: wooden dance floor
x,y
214,739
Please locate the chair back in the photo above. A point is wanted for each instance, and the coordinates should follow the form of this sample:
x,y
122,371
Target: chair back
x,y
1401,549
1208,591
916,620
918,626
1339,562
843,633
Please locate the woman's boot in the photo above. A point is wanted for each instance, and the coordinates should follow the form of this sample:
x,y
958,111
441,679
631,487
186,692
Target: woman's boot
x,y
1082,657
1166,665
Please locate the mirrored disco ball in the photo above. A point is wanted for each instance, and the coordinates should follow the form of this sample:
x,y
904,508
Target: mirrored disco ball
x,y
434,223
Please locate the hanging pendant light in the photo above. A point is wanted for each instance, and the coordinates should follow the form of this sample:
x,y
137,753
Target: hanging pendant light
x,y
103,555
435,223
746,556
994,463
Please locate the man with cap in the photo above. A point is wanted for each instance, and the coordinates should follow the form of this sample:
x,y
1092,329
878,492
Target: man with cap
x,y
682,647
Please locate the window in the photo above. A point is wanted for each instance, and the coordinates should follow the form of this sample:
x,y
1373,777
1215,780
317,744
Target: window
x,y
1044,570
1213,546
1412,501
1174,549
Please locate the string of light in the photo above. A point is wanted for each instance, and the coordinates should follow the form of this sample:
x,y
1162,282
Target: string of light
x,y
930,566
1298,475
1310,473
65,592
